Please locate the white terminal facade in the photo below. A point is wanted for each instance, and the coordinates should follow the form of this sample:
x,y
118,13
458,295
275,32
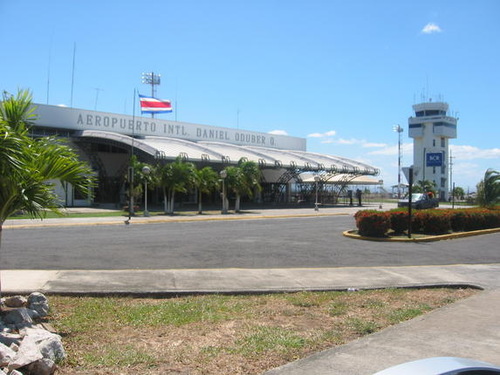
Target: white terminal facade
x,y
107,140
431,129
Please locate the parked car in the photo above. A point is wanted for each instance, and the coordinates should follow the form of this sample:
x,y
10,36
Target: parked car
x,y
442,366
418,201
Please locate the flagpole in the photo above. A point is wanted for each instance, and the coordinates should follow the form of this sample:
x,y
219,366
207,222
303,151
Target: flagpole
x,y
73,75
131,168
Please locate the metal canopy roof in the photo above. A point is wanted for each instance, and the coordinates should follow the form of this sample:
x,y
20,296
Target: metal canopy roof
x,y
340,179
224,153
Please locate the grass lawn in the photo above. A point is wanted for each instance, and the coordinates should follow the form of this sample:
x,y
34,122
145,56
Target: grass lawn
x,y
217,334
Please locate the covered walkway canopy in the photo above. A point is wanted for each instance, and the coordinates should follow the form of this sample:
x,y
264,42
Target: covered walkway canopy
x,y
287,175
229,154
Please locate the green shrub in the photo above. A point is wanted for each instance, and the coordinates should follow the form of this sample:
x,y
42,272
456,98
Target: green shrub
x,y
491,218
372,223
399,220
417,221
434,221
474,220
458,220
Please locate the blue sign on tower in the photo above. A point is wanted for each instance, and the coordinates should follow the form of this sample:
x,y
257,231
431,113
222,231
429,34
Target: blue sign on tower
x,y
434,159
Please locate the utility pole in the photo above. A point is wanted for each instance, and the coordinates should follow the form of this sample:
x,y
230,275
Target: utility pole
x,y
96,97
153,80
452,184
410,187
399,130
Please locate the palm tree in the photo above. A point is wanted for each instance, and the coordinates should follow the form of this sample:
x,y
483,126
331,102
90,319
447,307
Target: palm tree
x,y
206,180
243,179
177,176
488,190
458,192
28,165
425,186
139,178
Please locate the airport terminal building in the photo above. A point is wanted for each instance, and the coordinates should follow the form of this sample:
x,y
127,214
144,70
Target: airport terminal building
x,y
106,141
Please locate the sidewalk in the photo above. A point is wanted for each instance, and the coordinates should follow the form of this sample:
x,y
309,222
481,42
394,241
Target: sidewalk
x,y
468,329
250,214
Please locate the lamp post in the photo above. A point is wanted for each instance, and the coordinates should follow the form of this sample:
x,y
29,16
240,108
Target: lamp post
x,y
223,175
146,171
316,180
398,129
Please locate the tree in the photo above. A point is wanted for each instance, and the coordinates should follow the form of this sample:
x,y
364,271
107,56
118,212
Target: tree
x,y
243,179
206,180
28,165
424,186
177,176
488,189
139,178
458,192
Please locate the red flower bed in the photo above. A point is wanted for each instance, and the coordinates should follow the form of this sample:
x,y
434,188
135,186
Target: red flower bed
x,y
433,221
399,220
372,223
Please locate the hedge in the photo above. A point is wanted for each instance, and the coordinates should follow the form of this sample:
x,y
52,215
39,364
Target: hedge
x,y
374,223
399,220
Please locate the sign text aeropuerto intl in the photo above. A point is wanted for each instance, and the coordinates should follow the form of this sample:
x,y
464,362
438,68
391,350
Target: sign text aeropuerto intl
x,y
78,119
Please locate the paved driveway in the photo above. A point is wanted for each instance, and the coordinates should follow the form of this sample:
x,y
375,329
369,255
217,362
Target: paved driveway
x,y
263,243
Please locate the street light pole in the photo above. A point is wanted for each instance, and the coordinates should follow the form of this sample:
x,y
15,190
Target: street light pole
x,y
223,175
316,180
399,130
410,187
146,171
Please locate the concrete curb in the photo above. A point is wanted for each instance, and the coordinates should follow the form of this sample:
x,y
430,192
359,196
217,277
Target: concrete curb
x,y
142,221
350,234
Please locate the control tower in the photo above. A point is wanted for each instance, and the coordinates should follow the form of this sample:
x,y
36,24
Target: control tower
x,y
431,128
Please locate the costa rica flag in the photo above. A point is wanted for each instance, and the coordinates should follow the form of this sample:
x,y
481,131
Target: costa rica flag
x,y
154,105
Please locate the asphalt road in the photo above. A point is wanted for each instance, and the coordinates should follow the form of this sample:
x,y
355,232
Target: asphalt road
x,y
264,243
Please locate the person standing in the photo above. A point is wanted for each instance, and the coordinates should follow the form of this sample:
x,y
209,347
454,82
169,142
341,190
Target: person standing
x,y
358,195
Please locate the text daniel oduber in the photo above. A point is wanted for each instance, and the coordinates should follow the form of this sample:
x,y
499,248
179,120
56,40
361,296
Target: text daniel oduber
x,y
170,129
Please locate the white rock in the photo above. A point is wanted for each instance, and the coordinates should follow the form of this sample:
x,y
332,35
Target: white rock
x,y
28,353
15,301
10,338
21,315
42,367
6,355
52,348
26,329
37,301
49,344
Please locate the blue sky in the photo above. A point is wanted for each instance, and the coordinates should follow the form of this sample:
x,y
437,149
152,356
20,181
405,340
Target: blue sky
x,y
339,73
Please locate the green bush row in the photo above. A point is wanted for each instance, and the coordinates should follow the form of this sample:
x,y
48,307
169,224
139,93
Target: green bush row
x,y
373,223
